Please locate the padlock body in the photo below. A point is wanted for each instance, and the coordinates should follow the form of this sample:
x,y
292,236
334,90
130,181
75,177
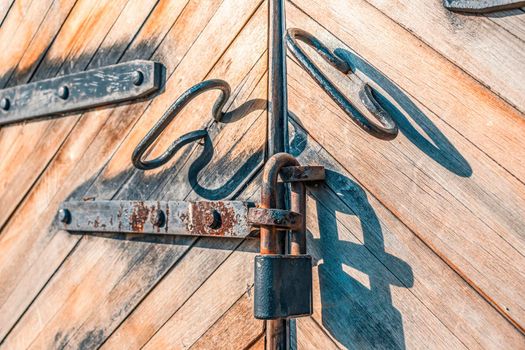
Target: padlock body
x,y
283,286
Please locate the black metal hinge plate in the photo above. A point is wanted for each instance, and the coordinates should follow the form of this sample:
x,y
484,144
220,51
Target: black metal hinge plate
x,y
482,6
84,90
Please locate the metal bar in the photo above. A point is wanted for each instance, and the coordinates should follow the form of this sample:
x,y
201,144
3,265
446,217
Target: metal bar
x,y
277,331
482,6
277,89
298,234
203,218
279,218
364,110
170,114
74,92
302,173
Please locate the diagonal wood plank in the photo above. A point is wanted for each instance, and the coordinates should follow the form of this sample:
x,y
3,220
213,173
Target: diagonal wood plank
x,y
18,70
198,264
5,8
480,236
476,44
21,24
225,286
345,220
512,21
460,101
34,146
85,141
236,329
203,40
309,335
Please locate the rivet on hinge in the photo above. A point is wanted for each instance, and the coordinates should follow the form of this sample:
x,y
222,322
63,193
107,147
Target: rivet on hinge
x,y
5,104
64,216
158,218
137,77
63,92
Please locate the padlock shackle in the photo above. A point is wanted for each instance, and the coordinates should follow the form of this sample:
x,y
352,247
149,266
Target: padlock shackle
x,y
269,239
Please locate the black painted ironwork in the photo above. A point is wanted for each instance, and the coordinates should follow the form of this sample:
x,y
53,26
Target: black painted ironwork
x,y
80,91
387,128
170,114
482,6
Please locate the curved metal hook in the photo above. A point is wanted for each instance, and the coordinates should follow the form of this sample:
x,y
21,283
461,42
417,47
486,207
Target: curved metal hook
x,y
387,128
170,114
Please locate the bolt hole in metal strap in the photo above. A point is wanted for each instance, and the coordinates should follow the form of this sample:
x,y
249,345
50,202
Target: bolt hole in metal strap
x,y
387,128
171,113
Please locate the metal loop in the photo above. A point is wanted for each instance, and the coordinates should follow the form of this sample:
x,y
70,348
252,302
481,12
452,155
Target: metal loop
x,y
170,114
387,128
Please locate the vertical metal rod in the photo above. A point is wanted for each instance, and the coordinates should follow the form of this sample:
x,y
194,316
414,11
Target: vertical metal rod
x,y
277,331
277,92
298,205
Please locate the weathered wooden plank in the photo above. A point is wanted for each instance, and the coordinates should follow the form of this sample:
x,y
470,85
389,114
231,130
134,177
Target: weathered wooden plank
x,y
38,155
225,286
18,29
359,222
258,344
476,44
512,21
5,7
480,236
236,329
460,101
35,148
25,65
309,335
196,52
198,263
189,275
89,130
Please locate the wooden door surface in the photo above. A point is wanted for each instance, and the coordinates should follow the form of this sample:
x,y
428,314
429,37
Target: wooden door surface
x,y
417,242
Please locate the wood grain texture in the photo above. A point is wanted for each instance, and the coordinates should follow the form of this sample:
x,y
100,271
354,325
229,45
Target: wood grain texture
x,y
214,298
346,222
472,225
476,44
512,21
417,242
236,329
460,101
5,7
74,336
35,145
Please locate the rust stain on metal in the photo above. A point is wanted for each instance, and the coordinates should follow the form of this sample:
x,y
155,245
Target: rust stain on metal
x,y
211,218
139,215
119,218
167,218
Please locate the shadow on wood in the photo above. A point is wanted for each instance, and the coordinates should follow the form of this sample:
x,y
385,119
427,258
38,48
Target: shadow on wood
x,y
439,148
358,313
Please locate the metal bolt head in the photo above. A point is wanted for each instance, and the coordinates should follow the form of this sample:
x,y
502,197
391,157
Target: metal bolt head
x,y
137,77
63,92
5,103
64,215
158,218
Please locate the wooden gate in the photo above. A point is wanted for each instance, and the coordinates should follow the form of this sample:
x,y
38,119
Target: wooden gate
x,y
417,242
